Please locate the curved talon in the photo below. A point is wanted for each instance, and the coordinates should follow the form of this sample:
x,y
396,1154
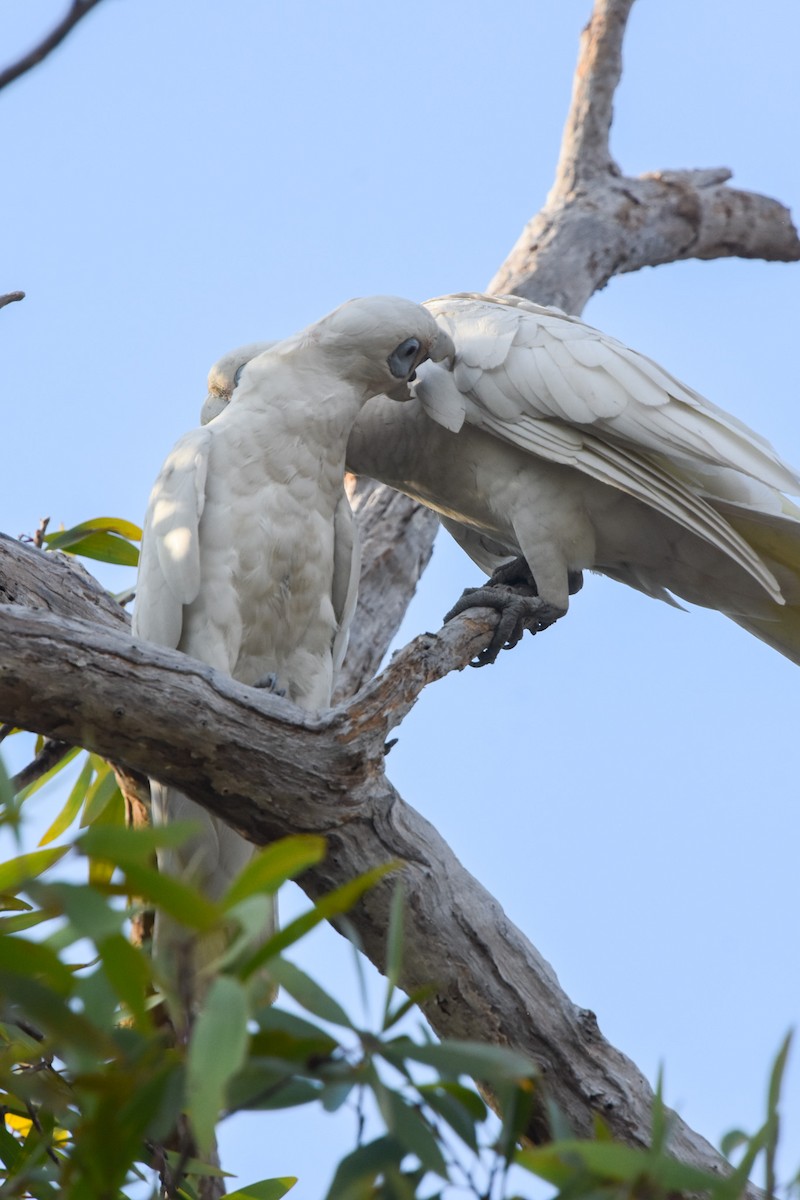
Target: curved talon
x,y
518,611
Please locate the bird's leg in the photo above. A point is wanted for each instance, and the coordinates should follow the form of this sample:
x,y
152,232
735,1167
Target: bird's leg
x,y
270,684
512,592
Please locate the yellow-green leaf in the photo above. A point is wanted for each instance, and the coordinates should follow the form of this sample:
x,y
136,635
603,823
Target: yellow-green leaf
x,y
17,871
272,866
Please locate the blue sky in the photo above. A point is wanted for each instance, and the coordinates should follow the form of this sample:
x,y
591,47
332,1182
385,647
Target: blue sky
x,y
184,178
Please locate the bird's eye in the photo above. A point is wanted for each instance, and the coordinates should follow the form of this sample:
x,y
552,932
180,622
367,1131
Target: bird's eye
x,y
402,360
238,374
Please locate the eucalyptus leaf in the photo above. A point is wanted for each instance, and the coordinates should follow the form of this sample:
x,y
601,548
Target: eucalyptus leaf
x,y
274,865
216,1052
308,993
267,1189
75,801
18,871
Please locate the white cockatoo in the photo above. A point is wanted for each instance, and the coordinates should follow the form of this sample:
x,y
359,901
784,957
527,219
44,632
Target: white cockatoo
x,y
548,441
250,554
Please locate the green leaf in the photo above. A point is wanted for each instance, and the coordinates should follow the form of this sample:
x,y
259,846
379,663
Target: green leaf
x,y
104,547
260,1087
494,1064
216,1052
409,1126
129,974
267,1189
43,1006
89,913
125,529
357,1172
308,993
276,1020
734,1139
181,901
332,905
104,538
22,922
272,866
394,945
99,795
462,1108
10,1149
132,846
289,1040
19,871
9,804
73,805
612,1162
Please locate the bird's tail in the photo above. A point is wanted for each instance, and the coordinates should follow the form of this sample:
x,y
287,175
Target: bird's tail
x,y
776,539
782,631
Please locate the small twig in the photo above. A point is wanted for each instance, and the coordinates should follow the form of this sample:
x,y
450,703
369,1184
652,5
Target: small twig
x,y
10,298
78,10
50,754
388,699
32,1114
38,537
5,730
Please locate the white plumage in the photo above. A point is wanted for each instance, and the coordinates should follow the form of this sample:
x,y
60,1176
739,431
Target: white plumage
x,y
546,439
250,556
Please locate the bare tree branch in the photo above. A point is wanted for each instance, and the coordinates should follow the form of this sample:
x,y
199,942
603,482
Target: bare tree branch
x,y
77,12
11,298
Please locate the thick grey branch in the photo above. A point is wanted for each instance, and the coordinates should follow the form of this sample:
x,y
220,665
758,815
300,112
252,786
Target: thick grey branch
x,y
271,769
11,298
76,12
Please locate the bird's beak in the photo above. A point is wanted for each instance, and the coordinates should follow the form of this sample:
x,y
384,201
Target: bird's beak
x,y
213,405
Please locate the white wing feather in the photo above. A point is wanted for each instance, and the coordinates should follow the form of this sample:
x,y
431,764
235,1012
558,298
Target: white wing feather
x,y
564,370
169,568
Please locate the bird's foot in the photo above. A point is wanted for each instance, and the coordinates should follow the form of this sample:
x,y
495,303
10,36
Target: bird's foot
x,y
270,684
512,592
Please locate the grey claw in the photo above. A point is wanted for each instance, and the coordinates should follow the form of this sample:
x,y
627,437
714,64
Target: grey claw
x,y
270,684
518,611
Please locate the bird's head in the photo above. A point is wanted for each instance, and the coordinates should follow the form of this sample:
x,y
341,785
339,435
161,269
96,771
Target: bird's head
x,y
379,341
224,376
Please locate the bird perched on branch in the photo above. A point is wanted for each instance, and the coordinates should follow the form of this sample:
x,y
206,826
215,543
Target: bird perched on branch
x,y
549,448
250,553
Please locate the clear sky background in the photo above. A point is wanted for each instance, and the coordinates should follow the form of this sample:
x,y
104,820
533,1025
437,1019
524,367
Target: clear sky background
x,y
182,178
